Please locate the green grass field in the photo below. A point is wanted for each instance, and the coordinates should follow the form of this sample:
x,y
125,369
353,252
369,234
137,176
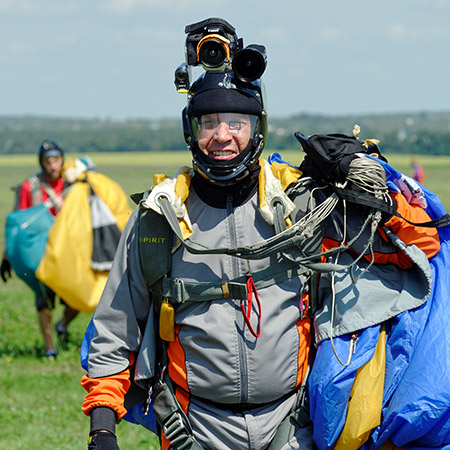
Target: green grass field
x,y
40,401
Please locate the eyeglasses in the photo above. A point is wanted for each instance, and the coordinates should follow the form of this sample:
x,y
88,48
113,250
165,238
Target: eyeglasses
x,y
234,126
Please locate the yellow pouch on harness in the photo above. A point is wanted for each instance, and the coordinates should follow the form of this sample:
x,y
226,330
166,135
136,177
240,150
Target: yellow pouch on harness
x,y
167,321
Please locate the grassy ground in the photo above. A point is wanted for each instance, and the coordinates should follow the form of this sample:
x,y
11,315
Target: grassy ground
x,y
40,401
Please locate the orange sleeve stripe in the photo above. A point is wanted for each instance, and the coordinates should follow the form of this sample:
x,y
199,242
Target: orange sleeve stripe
x,y
107,391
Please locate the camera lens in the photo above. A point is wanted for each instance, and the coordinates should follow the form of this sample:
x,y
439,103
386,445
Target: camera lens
x,y
250,63
212,53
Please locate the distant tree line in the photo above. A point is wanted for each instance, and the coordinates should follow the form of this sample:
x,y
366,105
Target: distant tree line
x,y
419,133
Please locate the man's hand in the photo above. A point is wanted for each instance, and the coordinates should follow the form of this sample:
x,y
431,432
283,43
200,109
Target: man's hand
x,y
103,440
5,270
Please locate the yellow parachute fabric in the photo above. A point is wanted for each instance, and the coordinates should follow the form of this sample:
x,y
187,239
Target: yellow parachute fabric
x,y
66,264
366,397
285,173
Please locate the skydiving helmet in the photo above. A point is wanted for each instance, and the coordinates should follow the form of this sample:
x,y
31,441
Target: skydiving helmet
x,y
232,86
48,148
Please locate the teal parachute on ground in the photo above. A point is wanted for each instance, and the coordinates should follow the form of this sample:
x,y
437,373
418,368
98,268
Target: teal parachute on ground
x,y
26,234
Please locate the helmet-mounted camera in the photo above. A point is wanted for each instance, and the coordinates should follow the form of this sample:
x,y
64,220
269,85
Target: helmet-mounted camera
x,y
214,45
211,43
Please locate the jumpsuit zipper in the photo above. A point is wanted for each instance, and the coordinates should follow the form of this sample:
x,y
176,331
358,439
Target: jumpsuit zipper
x,y
243,373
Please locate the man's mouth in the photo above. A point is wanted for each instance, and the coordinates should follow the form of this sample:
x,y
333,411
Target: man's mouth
x,y
222,154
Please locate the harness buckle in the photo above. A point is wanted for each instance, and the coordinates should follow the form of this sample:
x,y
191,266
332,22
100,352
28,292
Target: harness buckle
x,y
180,290
174,427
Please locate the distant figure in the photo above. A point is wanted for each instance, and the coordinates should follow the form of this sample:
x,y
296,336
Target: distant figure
x,y
46,186
418,173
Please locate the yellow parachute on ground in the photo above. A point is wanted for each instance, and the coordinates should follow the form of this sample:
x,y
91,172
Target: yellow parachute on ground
x,y
68,265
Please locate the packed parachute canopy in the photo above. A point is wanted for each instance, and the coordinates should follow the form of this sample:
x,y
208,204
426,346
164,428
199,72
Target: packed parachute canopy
x,y
72,253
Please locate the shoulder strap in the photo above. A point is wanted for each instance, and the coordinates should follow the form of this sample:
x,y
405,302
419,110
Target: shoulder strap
x,y
36,192
55,198
155,249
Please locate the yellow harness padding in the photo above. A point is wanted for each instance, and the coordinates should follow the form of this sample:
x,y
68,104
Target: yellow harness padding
x,y
177,187
66,264
274,179
366,398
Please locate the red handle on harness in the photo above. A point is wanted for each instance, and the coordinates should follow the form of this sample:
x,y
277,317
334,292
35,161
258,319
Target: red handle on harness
x,y
251,288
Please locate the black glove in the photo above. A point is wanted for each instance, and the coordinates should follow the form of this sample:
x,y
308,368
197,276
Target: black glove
x,y
103,440
5,269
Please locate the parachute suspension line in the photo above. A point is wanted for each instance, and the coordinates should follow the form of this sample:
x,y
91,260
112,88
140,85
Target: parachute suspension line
x,y
260,249
376,217
369,175
318,214
333,299
342,247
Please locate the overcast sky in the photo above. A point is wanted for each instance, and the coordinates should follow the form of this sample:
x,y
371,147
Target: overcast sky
x,y
116,58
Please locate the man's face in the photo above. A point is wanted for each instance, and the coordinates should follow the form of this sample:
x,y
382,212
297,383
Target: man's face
x,y
222,136
52,167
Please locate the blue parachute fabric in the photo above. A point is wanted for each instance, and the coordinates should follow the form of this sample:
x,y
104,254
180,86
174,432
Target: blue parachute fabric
x,y
417,415
135,414
330,383
403,334
26,235
86,343
416,400
276,157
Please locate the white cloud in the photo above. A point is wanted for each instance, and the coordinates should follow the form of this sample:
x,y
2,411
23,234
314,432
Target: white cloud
x,y
132,6
438,4
18,48
400,32
330,34
41,8
276,33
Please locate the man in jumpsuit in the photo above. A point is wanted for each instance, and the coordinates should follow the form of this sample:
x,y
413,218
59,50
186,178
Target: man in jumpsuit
x,y
235,365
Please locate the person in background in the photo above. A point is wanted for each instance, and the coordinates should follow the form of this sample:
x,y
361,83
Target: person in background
x,y
45,186
418,172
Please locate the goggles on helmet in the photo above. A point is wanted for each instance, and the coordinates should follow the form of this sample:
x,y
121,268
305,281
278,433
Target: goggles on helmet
x,y
234,124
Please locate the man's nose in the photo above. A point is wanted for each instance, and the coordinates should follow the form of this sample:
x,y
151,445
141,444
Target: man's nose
x,y
223,132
